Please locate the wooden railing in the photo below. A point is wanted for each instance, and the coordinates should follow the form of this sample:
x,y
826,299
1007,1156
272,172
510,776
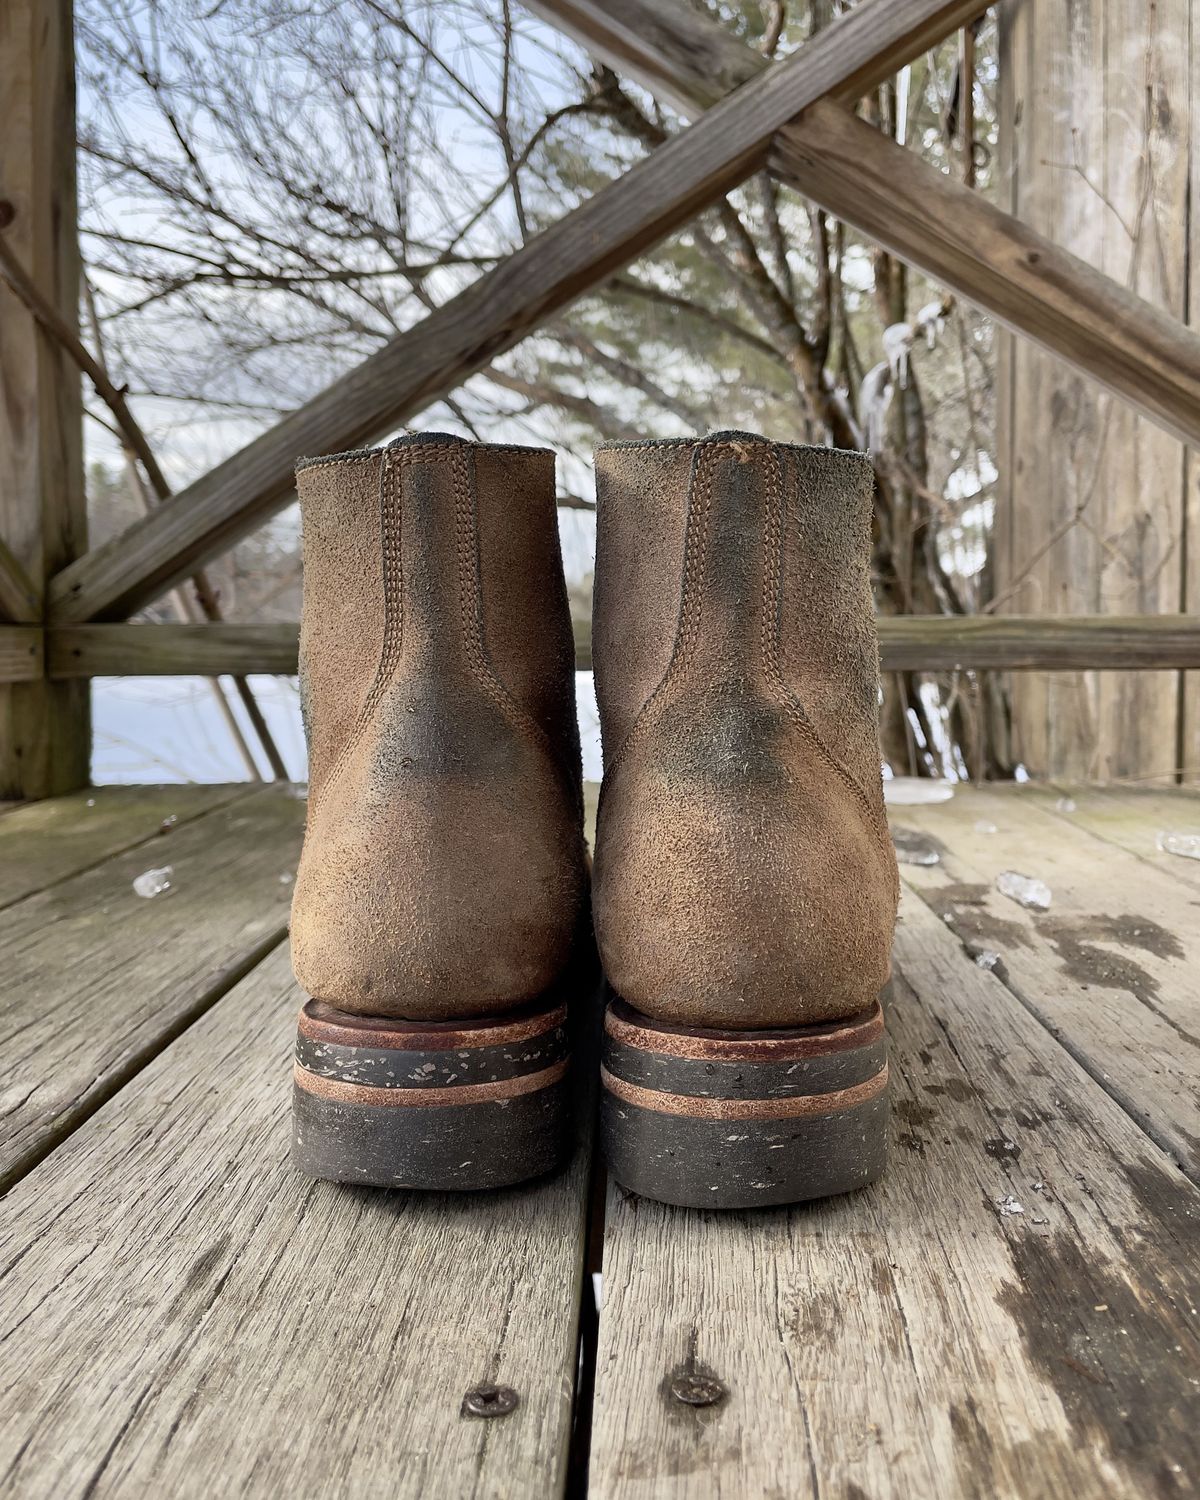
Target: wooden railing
x,y
912,643
63,605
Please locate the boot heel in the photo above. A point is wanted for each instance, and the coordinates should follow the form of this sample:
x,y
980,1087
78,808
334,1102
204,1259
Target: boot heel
x,y
431,1104
729,1119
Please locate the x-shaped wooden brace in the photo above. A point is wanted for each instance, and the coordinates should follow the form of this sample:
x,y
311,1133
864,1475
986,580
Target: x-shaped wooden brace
x,y
791,115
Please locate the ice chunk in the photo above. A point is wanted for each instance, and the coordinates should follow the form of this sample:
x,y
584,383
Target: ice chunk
x,y
897,346
910,791
985,825
914,848
1025,890
1065,805
987,958
1008,1206
1173,841
931,320
154,882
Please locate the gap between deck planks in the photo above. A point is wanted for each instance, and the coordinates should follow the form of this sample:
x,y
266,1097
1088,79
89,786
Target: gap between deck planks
x,y
98,979
185,1315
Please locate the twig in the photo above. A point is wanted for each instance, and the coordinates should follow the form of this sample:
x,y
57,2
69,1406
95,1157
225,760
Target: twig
x,y
583,407
628,374
56,325
774,29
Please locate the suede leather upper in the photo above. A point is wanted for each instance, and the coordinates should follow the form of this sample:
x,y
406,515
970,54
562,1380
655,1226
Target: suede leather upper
x,y
744,875
443,870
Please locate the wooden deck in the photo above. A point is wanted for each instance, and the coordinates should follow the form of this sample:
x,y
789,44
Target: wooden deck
x,y
1013,1311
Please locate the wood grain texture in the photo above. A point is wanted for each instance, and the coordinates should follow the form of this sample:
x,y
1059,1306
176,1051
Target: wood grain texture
x,y
1111,968
183,1314
658,195
21,653
679,54
205,650
98,979
45,842
1189,716
1092,496
45,727
1101,326
913,1339
20,601
1025,643
1131,818
909,643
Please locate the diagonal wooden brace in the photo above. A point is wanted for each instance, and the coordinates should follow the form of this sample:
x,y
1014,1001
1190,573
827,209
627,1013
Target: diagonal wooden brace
x,y
655,197
1022,279
19,601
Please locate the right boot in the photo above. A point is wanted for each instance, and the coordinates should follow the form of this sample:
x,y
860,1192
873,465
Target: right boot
x,y
442,885
745,884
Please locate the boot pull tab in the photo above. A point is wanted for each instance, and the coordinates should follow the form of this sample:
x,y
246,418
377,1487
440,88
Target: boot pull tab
x,y
427,505
731,575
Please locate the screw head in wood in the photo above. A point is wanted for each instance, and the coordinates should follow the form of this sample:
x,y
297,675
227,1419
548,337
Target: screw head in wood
x,y
487,1400
695,1389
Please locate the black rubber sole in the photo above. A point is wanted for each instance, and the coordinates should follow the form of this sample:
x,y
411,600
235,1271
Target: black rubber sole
x,y
442,1106
728,1119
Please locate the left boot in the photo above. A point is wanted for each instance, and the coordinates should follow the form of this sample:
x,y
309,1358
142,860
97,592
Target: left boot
x,y
442,887
745,884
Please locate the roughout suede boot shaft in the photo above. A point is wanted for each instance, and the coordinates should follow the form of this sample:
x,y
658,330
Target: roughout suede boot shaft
x,y
745,884
442,882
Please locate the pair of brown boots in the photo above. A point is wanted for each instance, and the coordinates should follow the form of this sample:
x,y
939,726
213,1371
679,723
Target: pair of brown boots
x,y
744,889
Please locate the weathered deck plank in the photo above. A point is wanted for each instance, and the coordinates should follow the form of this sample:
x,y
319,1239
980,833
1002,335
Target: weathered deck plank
x,y
1111,968
180,1314
183,1315
44,842
97,979
1129,818
913,1339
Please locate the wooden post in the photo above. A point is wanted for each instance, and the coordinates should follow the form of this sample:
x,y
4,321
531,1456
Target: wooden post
x,y
1094,136
44,725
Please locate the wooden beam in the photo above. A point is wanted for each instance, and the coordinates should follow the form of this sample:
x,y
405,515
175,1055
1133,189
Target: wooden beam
x,y
21,653
1022,279
681,56
1025,643
76,651
655,197
171,650
44,726
913,643
1063,447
